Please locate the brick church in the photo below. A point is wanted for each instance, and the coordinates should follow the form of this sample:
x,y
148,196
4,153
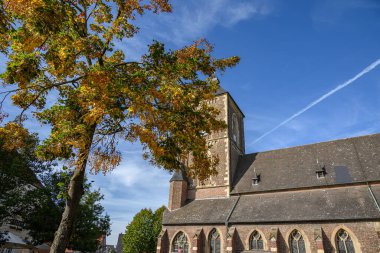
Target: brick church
x,y
322,197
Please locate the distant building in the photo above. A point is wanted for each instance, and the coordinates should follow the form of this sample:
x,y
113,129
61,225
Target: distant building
x,y
319,198
119,245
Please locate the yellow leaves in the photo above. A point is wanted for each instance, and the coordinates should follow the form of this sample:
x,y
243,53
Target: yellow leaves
x,y
22,7
159,101
13,136
103,161
94,115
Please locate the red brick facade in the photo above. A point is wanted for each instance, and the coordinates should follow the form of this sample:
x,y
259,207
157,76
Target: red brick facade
x,y
177,194
318,237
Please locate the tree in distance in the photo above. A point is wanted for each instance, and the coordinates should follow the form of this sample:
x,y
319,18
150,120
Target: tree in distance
x,y
64,50
142,233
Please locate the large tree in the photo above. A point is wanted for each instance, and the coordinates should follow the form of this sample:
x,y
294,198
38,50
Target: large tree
x,y
142,233
65,49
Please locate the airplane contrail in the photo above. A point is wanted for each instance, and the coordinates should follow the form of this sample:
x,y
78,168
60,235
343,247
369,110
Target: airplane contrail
x,y
328,94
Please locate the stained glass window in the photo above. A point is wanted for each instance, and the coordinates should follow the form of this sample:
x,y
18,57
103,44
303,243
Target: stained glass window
x,y
214,241
180,243
297,244
256,241
344,243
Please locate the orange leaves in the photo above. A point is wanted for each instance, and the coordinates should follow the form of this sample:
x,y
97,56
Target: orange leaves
x,y
104,161
67,47
13,136
160,5
95,94
22,7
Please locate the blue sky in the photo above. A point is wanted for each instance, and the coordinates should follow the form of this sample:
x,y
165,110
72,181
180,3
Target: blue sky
x,y
292,53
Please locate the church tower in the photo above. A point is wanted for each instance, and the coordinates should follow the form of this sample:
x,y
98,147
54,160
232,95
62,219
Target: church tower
x,y
228,144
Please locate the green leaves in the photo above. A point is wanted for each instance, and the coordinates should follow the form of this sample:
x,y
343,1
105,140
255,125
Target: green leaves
x,y
142,233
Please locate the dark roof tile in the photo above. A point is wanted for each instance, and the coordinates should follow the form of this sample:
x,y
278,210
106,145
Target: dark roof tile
x,y
296,167
333,204
207,211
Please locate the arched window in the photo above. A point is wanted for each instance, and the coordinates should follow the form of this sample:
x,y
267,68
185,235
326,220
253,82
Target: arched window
x,y
256,241
296,242
344,243
180,243
235,130
214,241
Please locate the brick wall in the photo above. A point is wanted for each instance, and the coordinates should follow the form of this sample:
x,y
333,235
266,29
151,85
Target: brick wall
x,y
218,185
364,235
177,194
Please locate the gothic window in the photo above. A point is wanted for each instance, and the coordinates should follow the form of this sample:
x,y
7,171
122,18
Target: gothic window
x,y
344,243
256,241
235,130
180,243
296,242
214,241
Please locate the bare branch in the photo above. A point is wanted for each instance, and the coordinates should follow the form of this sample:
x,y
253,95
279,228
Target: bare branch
x,y
92,11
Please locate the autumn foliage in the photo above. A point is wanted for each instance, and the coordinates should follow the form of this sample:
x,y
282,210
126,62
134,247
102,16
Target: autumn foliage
x,y
64,50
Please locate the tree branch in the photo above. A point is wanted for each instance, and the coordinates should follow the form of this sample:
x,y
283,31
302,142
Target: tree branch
x,y
39,86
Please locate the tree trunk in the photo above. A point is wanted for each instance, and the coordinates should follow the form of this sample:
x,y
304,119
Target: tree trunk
x,y
74,195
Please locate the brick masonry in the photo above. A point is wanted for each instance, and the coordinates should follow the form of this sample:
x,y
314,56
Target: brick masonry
x,y
177,194
318,237
227,150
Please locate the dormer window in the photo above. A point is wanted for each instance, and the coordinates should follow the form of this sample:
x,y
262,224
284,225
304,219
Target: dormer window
x,y
321,172
256,179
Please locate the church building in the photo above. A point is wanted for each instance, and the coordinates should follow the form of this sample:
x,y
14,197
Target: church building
x,y
318,198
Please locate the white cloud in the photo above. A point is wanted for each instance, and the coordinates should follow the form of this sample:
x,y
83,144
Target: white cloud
x,y
134,185
193,20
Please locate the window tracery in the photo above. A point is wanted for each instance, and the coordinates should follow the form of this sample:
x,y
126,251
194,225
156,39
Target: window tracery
x,y
180,243
344,242
297,243
214,241
256,241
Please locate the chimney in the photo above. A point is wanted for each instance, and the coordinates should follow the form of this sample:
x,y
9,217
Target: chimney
x,y
178,191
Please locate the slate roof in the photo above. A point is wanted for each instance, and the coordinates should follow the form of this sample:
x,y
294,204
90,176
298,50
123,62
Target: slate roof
x,y
346,203
289,190
346,161
177,176
333,204
206,211
220,91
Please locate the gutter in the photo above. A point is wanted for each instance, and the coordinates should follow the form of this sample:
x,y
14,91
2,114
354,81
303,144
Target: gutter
x,y
365,176
373,197
232,210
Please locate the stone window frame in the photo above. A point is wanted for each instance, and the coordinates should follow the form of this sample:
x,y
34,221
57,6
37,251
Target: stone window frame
x,y
207,240
175,236
213,230
305,238
248,241
354,239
